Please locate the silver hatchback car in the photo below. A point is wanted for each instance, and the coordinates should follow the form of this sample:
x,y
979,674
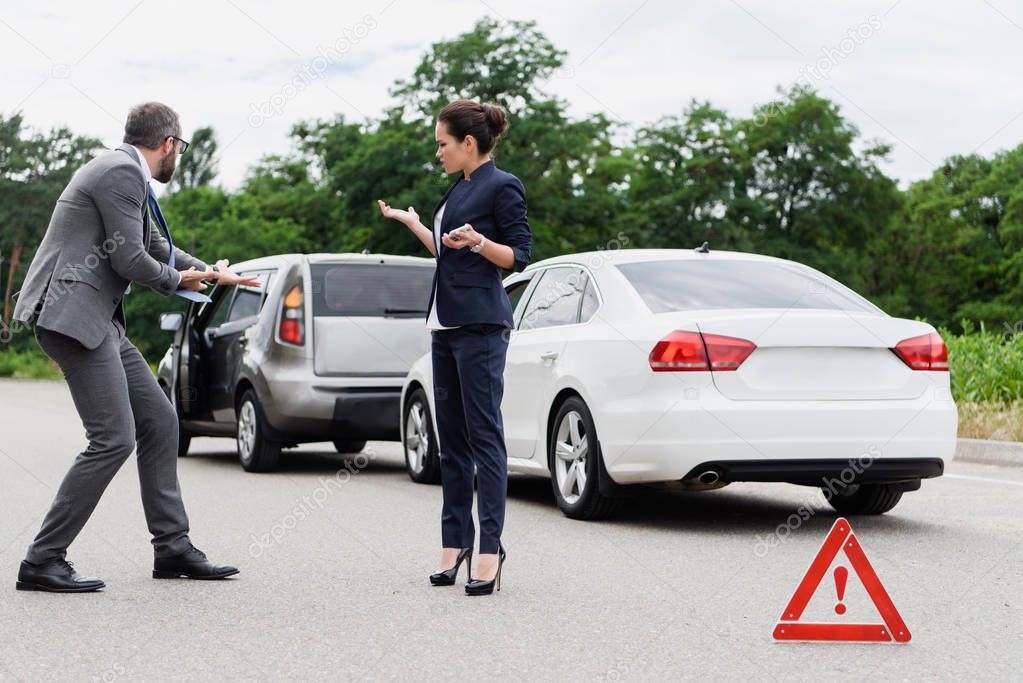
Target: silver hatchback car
x,y
318,352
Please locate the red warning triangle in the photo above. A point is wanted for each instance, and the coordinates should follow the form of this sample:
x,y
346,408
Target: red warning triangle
x,y
842,538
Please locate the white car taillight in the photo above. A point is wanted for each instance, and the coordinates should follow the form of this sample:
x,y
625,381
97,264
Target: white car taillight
x,y
684,351
926,352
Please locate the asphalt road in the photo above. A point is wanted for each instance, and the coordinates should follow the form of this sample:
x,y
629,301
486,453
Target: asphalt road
x,y
335,552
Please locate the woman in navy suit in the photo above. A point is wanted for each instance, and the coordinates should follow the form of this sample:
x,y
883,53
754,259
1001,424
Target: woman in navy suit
x,y
470,318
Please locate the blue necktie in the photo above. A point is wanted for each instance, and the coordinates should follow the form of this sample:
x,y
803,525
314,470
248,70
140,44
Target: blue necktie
x,y
154,210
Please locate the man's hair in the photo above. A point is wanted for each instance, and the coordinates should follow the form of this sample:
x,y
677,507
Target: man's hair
x,y
151,123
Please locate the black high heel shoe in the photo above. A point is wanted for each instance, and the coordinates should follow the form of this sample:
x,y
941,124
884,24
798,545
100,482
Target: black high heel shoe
x,y
486,587
447,577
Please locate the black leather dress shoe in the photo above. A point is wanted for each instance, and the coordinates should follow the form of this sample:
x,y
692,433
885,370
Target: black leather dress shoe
x,y
55,576
191,564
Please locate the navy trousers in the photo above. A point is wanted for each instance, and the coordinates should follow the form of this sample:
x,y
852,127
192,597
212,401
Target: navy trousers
x,y
468,385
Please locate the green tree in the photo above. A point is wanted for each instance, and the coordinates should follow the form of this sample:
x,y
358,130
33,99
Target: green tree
x,y
198,166
963,236
34,169
787,181
815,199
360,163
499,62
689,185
573,173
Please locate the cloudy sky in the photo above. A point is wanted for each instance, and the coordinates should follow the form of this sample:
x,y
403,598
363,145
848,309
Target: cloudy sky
x,y
932,78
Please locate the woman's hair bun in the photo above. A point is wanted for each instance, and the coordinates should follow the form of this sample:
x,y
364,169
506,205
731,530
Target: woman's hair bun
x,y
496,120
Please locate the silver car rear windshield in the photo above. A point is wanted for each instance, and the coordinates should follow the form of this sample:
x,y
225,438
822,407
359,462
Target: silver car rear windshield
x,y
683,285
357,289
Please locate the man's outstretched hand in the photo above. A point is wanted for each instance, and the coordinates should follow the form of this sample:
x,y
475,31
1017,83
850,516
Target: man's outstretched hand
x,y
226,276
193,279
198,280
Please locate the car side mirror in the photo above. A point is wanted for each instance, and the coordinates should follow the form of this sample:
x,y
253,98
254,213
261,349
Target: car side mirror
x,y
171,322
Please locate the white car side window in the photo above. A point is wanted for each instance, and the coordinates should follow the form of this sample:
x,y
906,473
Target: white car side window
x,y
555,299
589,304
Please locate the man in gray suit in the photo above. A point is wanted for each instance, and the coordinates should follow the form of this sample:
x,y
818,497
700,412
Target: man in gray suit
x,y
107,231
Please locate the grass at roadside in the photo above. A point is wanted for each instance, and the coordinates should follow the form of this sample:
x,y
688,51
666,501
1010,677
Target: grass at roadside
x,y
986,366
997,421
987,382
28,364
33,364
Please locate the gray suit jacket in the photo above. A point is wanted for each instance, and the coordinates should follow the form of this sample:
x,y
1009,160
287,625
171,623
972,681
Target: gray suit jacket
x,y
99,239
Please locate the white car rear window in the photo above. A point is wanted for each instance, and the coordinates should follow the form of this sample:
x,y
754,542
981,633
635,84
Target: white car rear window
x,y
684,285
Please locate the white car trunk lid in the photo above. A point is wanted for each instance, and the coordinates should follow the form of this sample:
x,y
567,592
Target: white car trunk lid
x,y
817,354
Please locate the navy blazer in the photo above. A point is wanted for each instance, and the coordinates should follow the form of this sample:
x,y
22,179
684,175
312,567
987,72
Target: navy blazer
x,y
468,285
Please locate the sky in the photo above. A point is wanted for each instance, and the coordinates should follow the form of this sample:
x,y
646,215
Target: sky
x,y
933,79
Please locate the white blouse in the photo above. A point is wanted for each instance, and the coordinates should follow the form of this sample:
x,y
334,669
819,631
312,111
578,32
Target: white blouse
x,y
432,323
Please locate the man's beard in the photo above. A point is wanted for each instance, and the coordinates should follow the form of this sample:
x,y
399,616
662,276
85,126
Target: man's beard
x,y
166,169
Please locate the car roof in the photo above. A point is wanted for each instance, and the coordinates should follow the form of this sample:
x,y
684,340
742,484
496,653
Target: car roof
x,y
279,260
619,256
614,256
369,258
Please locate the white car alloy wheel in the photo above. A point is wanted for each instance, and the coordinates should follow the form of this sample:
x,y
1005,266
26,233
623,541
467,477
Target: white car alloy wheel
x,y
570,452
417,438
246,431
574,461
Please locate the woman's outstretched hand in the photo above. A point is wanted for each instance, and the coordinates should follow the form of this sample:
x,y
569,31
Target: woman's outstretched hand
x,y
409,217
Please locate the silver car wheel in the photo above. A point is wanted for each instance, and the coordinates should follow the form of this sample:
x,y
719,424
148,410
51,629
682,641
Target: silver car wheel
x,y
246,431
570,452
417,438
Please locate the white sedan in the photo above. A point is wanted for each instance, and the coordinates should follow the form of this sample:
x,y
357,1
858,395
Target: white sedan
x,y
693,369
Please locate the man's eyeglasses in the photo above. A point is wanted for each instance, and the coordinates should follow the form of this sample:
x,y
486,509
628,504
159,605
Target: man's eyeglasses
x,y
184,143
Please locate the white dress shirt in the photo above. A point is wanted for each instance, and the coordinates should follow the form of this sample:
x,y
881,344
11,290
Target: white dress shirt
x,y
148,174
432,322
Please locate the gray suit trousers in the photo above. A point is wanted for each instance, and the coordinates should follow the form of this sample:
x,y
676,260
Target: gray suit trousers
x,y
121,405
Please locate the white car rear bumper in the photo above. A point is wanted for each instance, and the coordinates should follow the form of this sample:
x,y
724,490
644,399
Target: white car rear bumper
x,y
662,435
